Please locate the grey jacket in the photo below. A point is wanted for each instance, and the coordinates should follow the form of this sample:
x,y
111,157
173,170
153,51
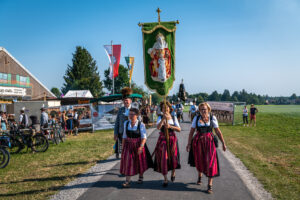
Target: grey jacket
x,y
119,123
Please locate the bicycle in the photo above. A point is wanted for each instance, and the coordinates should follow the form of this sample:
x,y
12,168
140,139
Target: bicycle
x,y
19,140
4,157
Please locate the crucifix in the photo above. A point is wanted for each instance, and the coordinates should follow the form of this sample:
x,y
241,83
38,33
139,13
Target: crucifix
x,y
158,13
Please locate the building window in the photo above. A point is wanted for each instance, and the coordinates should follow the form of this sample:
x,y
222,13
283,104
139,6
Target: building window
x,y
23,80
3,78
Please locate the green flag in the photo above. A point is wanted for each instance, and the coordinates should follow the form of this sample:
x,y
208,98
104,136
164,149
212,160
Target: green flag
x,y
159,56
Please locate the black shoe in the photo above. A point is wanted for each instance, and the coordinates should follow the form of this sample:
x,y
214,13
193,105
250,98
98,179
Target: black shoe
x,y
140,181
199,180
172,178
165,184
209,189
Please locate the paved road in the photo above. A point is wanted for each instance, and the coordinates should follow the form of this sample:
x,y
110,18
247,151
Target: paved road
x,y
227,186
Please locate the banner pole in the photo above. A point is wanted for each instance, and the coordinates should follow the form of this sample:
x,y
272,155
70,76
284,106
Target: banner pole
x,y
129,73
113,70
167,133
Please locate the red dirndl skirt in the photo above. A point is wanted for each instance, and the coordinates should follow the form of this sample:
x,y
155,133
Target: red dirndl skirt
x,y
161,160
203,155
131,162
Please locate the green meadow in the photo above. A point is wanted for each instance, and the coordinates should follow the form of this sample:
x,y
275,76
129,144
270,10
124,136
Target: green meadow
x,y
40,175
271,150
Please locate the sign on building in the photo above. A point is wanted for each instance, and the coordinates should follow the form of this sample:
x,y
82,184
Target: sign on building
x,y
12,91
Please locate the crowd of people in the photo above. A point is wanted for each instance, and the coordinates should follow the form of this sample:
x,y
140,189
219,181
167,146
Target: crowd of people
x,y
136,158
69,120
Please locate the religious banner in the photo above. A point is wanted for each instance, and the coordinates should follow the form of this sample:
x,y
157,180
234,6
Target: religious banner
x,y
159,55
130,63
114,55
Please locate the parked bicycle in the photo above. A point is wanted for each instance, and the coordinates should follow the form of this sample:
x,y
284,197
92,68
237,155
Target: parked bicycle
x,y
21,138
4,157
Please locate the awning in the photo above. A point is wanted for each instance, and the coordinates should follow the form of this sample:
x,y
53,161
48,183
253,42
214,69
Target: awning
x,y
115,97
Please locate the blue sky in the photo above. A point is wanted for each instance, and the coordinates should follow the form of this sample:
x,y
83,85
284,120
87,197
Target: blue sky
x,y
220,44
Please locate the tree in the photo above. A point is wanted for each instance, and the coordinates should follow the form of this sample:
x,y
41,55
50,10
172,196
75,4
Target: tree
x,y
200,99
214,96
138,90
293,97
83,74
122,80
56,92
226,96
156,99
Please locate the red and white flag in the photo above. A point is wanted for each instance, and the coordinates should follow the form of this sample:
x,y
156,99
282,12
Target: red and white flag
x,y
113,59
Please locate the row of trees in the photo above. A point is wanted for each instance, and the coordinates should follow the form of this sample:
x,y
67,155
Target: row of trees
x,y
241,96
83,75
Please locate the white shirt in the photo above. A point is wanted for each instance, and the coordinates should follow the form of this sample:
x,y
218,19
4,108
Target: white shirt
x,y
170,121
126,113
214,122
130,128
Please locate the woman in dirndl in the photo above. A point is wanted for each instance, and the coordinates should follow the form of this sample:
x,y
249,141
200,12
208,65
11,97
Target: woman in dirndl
x,y
136,158
163,162
202,147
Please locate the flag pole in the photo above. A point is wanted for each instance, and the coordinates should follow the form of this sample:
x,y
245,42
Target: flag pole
x,y
113,66
129,72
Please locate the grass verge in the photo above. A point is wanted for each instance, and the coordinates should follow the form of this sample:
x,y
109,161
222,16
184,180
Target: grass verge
x,y
271,151
39,175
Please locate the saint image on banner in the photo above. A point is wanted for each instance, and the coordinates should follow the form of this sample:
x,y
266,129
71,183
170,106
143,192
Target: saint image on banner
x,y
160,64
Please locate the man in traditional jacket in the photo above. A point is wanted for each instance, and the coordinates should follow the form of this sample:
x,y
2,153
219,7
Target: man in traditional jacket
x,y
122,116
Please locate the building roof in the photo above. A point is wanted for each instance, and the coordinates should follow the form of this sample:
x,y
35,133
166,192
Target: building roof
x,y
3,49
78,94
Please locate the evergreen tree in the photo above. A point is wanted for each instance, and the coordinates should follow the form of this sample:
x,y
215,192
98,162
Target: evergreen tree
x,y
214,96
226,96
83,74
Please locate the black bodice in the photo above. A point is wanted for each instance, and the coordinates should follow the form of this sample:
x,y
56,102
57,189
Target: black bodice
x,y
131,133
206,128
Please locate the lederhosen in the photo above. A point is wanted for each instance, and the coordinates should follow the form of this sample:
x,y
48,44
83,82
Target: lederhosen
x,y
162,163
203,153
131,162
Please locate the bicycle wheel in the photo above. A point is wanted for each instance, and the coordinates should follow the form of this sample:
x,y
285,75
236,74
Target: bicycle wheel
x,y
55,137
15,146
4,158
39,143
61,134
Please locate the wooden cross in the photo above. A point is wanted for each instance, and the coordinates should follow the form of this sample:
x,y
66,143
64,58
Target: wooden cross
x,y
158,12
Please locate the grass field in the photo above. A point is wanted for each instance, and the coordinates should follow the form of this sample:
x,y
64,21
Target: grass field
x,y
272,149
39,175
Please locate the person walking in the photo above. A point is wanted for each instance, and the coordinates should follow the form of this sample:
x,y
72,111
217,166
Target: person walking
x,y
245,116
122,116
202,147
135,158
44,118
253,111
179,111
23,120
70,123
162,161
3,121
193,110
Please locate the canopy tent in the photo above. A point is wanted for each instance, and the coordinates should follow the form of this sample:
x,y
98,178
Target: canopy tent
x,y
115,97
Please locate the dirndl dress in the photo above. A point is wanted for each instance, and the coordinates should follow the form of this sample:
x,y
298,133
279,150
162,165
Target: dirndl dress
x,y
162,162
203,153
133,163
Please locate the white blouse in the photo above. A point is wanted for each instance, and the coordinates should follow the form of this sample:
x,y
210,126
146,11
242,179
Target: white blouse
x,y
130,128
214,122
170,121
